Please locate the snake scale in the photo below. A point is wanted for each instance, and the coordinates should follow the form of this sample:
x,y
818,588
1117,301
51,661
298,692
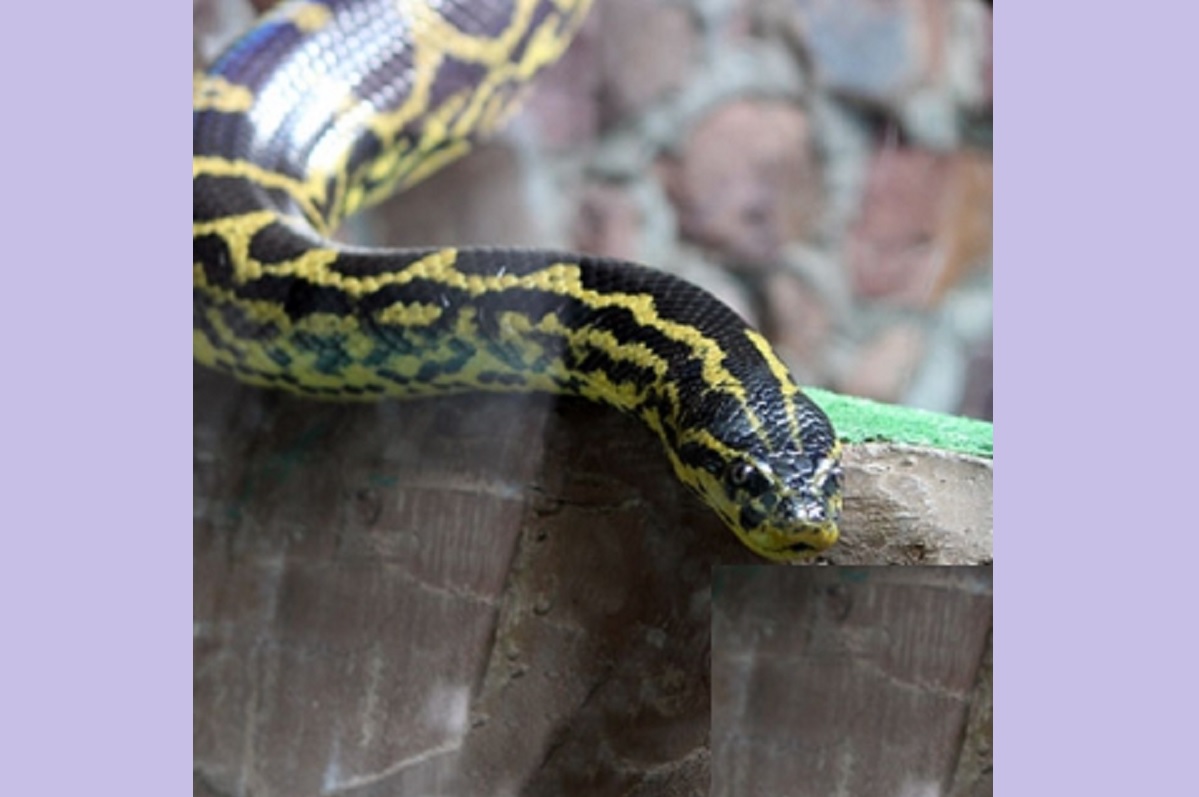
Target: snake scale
x,y
324,108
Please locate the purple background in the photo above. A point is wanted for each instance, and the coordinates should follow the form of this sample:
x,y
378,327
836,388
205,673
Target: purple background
x,y
1096,224
95,563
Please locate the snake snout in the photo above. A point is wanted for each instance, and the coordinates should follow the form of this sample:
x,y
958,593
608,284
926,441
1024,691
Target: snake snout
x,y
799,511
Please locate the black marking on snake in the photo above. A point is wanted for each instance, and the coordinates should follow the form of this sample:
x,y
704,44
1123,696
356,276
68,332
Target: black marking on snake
x,y
225,196
298,298
212,253
331,356
244,327
277,243
455,77
203,325
431,369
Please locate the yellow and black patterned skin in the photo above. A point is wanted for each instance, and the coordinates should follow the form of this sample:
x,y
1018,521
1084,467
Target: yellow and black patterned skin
x,y
328,107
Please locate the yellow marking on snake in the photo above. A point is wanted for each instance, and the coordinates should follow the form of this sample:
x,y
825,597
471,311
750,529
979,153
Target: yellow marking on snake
x,y
303,193
210,93
776,366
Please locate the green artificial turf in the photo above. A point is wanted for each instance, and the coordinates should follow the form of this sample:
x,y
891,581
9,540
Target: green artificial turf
x,y
860,420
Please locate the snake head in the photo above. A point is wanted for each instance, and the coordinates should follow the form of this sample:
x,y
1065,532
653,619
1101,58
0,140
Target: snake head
x,y
784,508
783,502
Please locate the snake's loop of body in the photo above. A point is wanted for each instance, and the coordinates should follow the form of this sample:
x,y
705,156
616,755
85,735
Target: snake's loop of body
x,y
325,108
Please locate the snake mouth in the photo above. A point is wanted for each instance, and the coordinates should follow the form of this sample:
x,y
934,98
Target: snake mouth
x,y
827,536
814,539
796,542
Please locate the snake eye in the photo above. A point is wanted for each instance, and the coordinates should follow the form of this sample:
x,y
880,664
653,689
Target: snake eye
x,y
740,473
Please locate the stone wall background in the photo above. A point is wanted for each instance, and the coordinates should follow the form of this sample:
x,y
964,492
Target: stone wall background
x,y
824,167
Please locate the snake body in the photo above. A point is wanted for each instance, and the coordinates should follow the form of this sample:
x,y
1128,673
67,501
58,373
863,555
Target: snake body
x,y
327,107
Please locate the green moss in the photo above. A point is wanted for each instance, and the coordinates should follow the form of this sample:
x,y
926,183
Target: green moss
x,y
860,420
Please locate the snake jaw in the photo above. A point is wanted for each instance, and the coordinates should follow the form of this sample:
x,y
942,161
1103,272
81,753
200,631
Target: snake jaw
x,y
793,543
798,530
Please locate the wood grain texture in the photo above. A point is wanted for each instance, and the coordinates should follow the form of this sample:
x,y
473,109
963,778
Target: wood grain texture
x,y
444,595
453,593
837,682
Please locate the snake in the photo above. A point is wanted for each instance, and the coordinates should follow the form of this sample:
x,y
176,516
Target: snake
x,y
327,107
